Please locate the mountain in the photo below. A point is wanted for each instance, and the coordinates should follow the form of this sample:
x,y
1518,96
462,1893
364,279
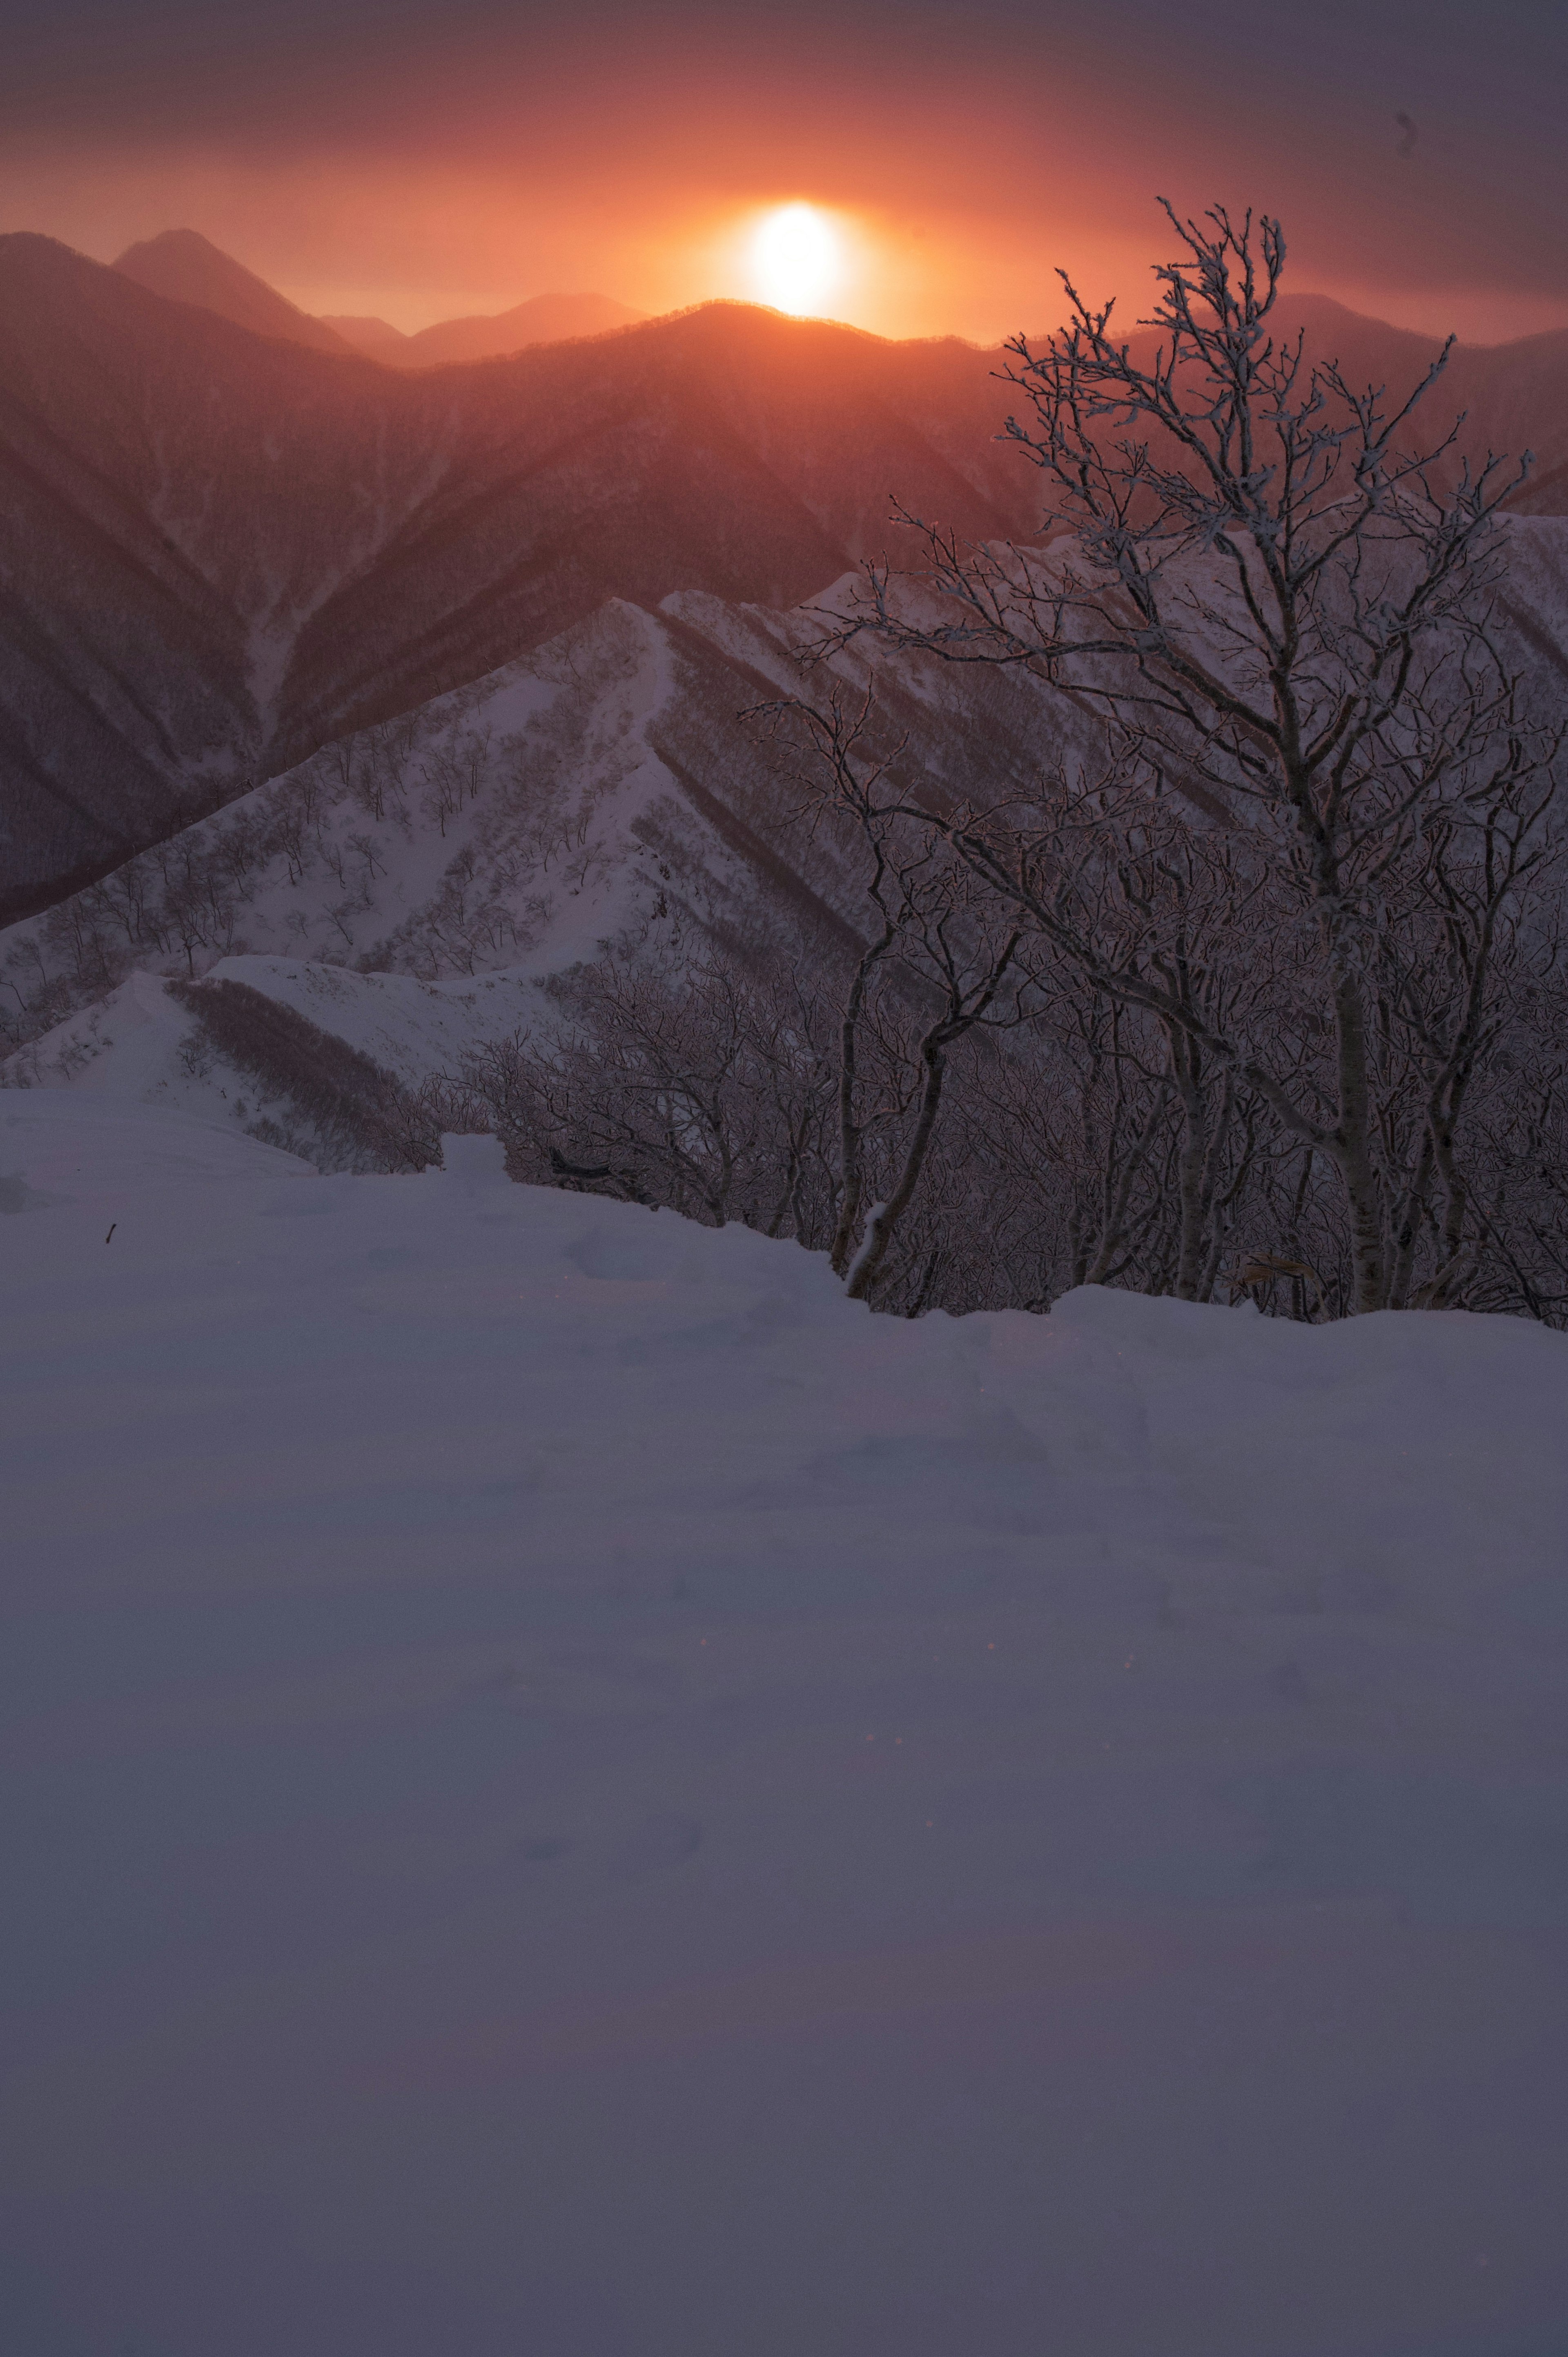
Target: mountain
x,y
219,551
378,337
601,782
544,319
1516,398
184,267
403,888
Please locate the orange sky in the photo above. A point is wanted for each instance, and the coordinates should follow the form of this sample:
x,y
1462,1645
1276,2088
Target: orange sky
x,y
420,162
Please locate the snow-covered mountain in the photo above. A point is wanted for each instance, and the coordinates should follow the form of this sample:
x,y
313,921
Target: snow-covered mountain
x,y
219,552
220,549
403,888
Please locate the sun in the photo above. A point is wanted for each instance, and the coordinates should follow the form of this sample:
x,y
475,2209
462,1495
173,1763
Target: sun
x,y
795,258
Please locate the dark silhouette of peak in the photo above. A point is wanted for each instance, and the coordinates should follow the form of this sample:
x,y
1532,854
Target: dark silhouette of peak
x,y
1366,350
377,337
1326,312
542,319
186,267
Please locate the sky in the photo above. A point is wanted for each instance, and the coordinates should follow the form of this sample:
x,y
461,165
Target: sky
x,y
418,161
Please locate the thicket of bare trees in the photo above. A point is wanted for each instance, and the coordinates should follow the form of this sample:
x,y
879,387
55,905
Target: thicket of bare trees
x,y
1267,999
1318,859
1071,1139
744,1086
313,1093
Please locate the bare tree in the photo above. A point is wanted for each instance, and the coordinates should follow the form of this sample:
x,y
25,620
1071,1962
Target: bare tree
x,y
1284,614
701,1081
930,934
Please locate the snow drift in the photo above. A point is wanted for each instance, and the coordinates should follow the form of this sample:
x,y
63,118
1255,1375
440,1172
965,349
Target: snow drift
x,y
568,1789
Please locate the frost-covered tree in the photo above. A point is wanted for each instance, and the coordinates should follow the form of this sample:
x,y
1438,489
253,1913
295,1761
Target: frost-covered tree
x,y
1283,608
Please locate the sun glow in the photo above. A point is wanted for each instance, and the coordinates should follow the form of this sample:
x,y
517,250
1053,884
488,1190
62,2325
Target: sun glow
x,y
795,258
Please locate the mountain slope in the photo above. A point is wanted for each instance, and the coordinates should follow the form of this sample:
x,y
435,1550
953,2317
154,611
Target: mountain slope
x,y
186,267
542,319
378,337
602,782
222,551
218,552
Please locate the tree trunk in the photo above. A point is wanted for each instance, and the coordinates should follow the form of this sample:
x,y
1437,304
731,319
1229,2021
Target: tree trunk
x,y
1352,1151
1192,1163
880,1228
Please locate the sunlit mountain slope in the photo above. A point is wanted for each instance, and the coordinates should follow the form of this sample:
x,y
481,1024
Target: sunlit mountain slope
x,y
221,551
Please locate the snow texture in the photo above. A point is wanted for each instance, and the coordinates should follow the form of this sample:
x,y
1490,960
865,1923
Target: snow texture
x,y
408,888
568,1790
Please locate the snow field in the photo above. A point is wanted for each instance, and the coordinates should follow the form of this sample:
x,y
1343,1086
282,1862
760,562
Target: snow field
x,y
568,1790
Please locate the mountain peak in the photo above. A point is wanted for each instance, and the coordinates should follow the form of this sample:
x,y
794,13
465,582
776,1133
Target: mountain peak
x,y
379,338
186,267
542,319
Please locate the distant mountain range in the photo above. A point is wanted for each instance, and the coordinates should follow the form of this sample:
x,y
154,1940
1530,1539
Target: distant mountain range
x,y
544,319
187,267
226,540
220,549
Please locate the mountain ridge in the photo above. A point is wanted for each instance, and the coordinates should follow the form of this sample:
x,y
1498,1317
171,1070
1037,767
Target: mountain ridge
x,y
542,319
267,545
186,267
601,783
222,551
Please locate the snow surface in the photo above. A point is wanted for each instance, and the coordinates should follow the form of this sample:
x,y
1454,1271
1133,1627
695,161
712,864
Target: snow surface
x,y
135,1046
569,1790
